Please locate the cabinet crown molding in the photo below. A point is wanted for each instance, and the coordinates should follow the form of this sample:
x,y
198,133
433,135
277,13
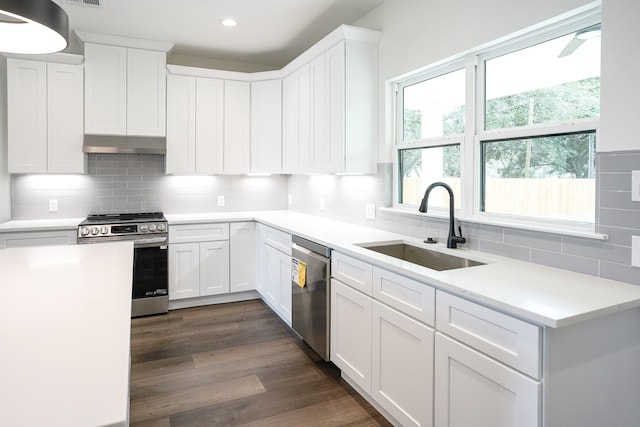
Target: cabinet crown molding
x,y
108,39
59,58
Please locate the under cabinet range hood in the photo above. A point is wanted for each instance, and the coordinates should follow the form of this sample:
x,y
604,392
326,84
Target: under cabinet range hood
x,y
124,144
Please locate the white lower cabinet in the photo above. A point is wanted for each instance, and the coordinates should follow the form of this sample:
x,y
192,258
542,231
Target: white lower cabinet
x,y
198,269
351,333
273,280
278,282
198,260
242,256
214,268
402,366
472,389
38,238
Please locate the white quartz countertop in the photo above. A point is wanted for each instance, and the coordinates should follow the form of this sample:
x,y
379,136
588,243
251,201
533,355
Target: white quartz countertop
x,y
40,225
65,334
544,295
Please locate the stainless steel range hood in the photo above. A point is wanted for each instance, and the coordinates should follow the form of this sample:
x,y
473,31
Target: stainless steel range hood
x,y
124,144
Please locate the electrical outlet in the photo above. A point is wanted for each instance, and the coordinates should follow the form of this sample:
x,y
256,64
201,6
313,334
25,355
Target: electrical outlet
x,y
635,251
322,203
370,211
220,201
635,186
53,205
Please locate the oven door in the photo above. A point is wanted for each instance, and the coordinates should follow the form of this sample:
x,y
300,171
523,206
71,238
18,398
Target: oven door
x,y
150,289
150,276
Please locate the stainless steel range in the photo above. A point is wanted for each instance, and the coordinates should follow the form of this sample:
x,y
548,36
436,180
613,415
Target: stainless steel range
x,y
148,231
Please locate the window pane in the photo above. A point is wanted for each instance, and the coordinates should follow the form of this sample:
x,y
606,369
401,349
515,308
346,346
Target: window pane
x,y
549,177
554,81
421,167
434,107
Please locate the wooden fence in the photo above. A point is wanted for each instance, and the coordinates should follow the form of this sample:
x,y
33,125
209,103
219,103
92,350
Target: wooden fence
x,y
541,197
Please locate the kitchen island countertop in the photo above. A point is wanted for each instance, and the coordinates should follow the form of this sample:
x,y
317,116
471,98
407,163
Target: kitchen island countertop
x,y
65,335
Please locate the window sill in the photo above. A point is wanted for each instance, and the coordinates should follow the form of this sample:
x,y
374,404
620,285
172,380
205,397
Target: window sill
x,y
565,230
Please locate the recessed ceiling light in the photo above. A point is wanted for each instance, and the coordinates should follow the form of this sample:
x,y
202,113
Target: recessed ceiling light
x,y
229,22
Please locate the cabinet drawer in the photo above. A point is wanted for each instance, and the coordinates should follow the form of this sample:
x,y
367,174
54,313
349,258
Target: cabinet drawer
x,y
277,239
353,272
412,298
198,232
507,339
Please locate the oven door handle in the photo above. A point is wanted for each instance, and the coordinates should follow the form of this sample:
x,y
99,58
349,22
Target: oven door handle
x,y
158,241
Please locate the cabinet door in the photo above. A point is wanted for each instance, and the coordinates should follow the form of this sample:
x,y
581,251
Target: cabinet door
x,y
266,126
284,279
351,333
184,270
27,115
402,366
65,118
214,268
318,146
181,124
209,125
271,276
472,389
296,119
335,120
242,253
237,110
105,87
146,92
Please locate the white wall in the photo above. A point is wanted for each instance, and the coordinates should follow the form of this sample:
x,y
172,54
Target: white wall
x,y
419,33
620,76
5,178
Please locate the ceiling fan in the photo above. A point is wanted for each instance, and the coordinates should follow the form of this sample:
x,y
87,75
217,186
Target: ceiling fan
x,y
580,37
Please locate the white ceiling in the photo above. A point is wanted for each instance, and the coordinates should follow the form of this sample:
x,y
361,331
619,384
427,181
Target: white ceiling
x,y
270,33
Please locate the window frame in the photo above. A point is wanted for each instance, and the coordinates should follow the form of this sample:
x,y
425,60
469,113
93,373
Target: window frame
x,y
471,141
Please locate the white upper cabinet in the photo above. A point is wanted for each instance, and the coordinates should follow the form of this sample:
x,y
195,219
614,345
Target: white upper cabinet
x,y
266,126
105,89
296,121
237,114
330,105
44,111
125,86
146,92
208,123
194,125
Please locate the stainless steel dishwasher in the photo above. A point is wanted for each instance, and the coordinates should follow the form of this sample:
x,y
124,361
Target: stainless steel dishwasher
x,y
310,293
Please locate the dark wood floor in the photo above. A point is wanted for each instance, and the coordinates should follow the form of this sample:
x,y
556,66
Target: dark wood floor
x,y
234,364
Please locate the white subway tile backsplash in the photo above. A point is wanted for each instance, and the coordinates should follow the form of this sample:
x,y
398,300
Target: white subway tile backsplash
x,y
136,182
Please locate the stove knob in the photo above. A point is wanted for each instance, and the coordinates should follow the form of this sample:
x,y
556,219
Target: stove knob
x,y
161,227
84,231
95,230
104,230
152,228
144,228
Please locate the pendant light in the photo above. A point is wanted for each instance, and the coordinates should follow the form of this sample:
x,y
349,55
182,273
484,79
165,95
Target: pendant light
x,y
32,27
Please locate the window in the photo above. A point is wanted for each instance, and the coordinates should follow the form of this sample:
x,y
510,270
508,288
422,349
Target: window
x,y
550,177
422,166
524,116
434,107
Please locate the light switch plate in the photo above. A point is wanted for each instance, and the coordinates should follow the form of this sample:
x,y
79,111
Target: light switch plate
x,y
371,211
635,186
635,251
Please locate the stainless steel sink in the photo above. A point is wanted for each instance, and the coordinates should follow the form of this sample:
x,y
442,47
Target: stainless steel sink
x,y
421,256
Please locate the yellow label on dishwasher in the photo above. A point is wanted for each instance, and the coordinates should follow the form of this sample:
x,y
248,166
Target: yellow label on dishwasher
x,y
298,272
